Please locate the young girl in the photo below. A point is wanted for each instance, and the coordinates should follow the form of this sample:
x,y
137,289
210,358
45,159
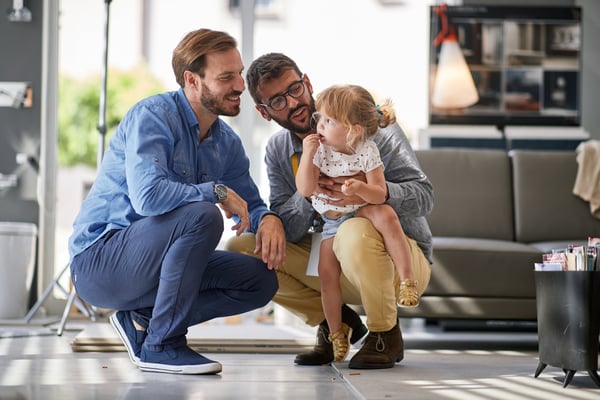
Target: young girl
x,y
346,118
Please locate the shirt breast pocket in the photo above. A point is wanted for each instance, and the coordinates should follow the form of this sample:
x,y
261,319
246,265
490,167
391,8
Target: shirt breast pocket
x,y
183,173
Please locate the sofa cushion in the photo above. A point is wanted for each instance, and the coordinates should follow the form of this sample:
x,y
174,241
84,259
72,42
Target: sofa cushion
x,y
482,268
468,307
545,207
473,192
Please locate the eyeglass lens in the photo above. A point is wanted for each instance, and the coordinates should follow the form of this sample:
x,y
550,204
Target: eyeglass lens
x,y
295,90
314,120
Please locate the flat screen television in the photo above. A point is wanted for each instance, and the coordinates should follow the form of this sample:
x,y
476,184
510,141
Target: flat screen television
x,y
525,62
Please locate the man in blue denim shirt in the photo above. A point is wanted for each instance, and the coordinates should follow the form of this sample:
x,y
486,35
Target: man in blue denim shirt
x,y
144,240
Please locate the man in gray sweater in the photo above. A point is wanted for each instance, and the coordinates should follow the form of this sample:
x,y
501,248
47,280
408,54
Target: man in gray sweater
x,y
284,94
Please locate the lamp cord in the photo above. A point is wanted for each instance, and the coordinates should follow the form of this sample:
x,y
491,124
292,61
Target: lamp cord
x,y
441,12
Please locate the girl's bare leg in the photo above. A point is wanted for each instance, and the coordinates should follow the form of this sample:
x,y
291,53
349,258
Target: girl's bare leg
x,y
331,296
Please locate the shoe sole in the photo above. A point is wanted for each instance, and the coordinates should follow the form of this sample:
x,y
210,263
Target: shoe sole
x,y
312,363
399,358
115,324
203,369
300,361
371,366
405,306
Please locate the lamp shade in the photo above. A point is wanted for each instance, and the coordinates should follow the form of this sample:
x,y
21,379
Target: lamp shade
x,y
453,86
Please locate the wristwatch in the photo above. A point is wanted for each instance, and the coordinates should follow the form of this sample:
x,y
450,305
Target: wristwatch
x,y
221,192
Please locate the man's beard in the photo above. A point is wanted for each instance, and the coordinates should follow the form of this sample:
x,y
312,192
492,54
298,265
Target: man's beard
x,y
287,123
215,105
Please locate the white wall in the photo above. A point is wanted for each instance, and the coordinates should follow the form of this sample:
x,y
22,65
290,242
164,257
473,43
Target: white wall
x,y
384,48
81,35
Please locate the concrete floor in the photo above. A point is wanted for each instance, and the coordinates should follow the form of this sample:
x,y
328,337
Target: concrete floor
x,y
37,364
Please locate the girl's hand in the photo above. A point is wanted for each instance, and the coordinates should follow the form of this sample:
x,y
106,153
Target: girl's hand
x,y
310,144
351,186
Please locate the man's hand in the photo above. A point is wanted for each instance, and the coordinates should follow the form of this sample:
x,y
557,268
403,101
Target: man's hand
x,y
236,205
332,187
270,241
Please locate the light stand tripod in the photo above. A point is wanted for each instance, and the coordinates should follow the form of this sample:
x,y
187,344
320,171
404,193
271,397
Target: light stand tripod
x,y
72,297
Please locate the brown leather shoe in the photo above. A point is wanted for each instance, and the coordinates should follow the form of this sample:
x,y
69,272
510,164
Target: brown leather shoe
x,y
322,353
380,350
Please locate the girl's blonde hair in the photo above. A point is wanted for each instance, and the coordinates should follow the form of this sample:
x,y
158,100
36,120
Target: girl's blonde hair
x,y
351,105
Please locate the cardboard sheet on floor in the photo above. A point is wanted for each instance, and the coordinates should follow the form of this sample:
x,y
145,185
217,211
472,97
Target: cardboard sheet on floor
x,y
209,338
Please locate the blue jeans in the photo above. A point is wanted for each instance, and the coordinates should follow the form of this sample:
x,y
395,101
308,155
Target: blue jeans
x,y
330,226
166,271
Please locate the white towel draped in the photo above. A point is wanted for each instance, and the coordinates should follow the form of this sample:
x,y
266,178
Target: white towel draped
x,y
587,181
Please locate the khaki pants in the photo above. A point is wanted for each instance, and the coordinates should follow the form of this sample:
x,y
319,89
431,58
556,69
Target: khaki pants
x,y
369,277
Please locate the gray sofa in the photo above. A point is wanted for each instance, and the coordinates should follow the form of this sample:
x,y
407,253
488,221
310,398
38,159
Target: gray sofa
x,y
495,214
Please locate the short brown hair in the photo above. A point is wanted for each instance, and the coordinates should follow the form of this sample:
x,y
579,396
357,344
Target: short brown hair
x,y
190,53
266,68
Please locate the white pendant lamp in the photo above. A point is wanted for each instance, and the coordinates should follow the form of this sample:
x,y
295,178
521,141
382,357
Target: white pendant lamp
x,y
453,86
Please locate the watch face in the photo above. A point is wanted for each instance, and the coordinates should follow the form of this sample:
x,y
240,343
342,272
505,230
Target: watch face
x,y
221,192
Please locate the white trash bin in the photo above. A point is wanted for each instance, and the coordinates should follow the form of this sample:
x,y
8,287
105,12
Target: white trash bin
x,y
17,261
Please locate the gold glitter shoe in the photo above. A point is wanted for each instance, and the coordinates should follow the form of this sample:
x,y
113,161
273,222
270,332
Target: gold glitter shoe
x,y
341,342
409,297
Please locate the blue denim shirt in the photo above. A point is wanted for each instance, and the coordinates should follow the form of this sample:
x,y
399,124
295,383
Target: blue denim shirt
x,y
155,163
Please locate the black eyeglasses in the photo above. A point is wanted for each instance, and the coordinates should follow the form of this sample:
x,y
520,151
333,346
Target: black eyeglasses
x,y
279,102
314,120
